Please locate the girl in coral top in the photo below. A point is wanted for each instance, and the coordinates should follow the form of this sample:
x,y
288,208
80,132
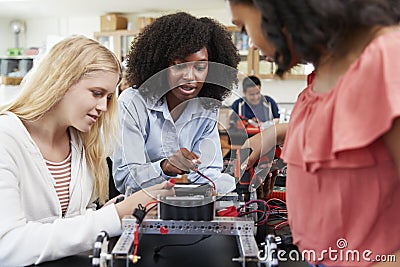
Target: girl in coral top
x,y
342,146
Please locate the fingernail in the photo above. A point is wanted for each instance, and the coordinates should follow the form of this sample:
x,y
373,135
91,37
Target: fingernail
x,y
171,183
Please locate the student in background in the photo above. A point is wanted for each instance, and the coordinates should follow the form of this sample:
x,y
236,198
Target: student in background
x,y
254,109
124,83
343,157
253,113
254,105
54,143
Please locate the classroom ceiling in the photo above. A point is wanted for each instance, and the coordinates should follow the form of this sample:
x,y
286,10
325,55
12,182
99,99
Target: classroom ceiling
x,y
23,9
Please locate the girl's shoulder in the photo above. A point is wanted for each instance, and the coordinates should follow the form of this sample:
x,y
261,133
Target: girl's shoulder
x,y
9,122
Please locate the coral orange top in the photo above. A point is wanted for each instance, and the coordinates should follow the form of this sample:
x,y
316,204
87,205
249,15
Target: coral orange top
x,y
343,188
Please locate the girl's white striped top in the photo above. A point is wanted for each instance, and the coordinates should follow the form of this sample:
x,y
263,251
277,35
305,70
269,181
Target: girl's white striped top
x,y
61,172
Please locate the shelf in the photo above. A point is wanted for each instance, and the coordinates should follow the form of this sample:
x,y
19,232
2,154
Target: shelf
x,y
17,57
118,32
117,41
13,68
252,63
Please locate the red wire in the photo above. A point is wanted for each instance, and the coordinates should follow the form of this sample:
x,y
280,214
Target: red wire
x,y
266,213
136,239
281,224
250,212
275,207
270,209
205,177
277,199
277,223
136,235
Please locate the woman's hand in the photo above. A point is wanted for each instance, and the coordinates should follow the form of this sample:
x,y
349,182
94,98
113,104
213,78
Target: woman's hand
x,y
267,185
182,161
263,142
254,143
144,196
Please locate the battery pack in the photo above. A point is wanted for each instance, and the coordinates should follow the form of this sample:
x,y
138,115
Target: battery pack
x,y
191,203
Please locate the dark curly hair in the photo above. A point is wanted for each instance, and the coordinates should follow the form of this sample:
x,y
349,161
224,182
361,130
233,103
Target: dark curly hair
x,y
315,25
174,37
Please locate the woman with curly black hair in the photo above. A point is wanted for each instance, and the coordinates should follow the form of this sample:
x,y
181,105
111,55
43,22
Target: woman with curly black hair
x,y
181,68
342,146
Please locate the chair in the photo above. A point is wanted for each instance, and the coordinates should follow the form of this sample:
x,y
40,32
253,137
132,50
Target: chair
x,y
112,190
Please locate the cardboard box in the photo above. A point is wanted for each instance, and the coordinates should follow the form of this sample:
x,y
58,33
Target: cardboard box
x,y
144,21
112,22
7,80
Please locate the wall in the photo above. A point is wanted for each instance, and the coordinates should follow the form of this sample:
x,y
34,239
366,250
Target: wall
x,y
38,30
47,30
283,91
222,15
6,37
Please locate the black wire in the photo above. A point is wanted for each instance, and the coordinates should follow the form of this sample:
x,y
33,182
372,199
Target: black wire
x,y
207,178
264,207
195,180
201,175
264,210
152,207
158,249
278,203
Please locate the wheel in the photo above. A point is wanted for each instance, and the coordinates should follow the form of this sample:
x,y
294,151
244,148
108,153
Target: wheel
x,y
100,248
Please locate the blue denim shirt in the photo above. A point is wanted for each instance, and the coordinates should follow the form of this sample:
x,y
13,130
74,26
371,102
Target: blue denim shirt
x,y
149,135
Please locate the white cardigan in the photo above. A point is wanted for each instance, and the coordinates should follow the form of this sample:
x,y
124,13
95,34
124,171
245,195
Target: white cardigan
x,y
32,229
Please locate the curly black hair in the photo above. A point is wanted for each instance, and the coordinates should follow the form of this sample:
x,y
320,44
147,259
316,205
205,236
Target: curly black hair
x,y
176,36
315,25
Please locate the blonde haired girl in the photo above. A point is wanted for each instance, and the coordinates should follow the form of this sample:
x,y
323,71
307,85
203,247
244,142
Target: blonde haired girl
x,y
53,156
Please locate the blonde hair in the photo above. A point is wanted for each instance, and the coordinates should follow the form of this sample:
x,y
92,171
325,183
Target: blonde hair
x,y
66,63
